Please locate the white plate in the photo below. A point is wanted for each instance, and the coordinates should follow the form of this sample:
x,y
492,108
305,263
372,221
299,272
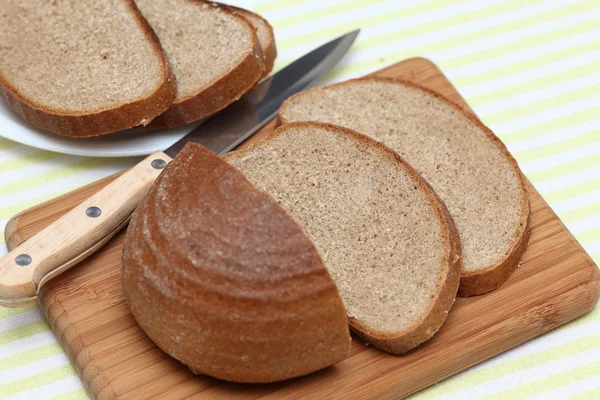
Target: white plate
x,y
132,142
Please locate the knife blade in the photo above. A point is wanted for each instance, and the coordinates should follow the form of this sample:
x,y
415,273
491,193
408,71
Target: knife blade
x,y
80,232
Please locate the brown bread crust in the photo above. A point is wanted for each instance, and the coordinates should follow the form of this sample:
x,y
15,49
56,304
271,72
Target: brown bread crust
x,y
223,91
102,122
480,282
222,279
269,49
488,279
430,323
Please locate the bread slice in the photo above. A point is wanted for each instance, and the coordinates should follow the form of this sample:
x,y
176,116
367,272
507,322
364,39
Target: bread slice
x,y
221,278
82,68
264,32
214,53
465,163
387,240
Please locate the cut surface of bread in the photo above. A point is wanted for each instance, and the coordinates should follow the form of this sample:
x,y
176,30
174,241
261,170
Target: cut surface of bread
x,y
265,34
465,163
388,242
220,277
215,55
82,68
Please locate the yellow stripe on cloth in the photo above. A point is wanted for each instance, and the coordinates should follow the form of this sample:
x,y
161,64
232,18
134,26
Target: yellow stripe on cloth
x,y
28,160
593,394
6,144
29,356
37,380
54,174
558,147
77,394
565,169
507,368
581,213
504,71
24,331
572,191
549,383
323,12
407,49
542,104
535,83
10,312
9,211
542,128
588,236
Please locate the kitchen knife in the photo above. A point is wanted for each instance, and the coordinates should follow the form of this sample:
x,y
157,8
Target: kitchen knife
x,y
84,229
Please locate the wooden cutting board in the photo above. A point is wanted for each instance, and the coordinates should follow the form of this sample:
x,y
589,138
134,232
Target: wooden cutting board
x,y
557,282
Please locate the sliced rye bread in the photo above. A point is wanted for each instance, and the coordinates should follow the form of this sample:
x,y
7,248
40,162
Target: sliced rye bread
x,y
237,291
387,240
265,34
66,67
215,55
465,163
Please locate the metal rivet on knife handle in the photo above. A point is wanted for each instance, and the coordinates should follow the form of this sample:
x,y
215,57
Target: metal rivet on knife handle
x,y
23,260
93,212
158,163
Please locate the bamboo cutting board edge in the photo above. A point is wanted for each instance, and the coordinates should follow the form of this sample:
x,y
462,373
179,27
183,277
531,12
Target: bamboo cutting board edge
x,y
92,322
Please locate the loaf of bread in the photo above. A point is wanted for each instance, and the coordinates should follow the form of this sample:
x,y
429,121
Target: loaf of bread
x,y
222,279
387,240
465,163
215,55
82,68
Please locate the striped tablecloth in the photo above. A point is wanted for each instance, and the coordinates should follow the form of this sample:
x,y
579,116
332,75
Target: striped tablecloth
x,y
529,69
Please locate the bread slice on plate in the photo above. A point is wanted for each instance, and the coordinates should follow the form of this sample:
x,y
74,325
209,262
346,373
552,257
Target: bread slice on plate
x,y
465,163
387,240
221,278
265,34
215,55
82,68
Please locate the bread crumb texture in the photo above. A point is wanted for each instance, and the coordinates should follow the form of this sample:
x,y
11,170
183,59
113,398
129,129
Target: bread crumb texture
x,y
203,43
76,57
377,231
263,30
470,173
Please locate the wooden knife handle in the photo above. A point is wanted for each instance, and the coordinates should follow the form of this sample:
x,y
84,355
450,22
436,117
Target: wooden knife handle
x,y
76,232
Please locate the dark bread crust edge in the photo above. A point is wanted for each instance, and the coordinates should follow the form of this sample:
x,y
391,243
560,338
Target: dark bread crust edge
x,y
106,121
292,320
448,282
224,90
269,49
486,279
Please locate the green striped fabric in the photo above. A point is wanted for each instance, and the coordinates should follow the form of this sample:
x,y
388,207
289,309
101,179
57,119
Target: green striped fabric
x,y
529,69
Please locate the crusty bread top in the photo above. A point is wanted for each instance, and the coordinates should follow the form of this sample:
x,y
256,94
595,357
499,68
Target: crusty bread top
x,y
202,40
465,163
221,278
380,230
77,58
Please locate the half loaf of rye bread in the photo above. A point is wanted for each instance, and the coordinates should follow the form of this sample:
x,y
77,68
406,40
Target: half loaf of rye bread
x,y
215,55
82,68
222,279
387,240
465,163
